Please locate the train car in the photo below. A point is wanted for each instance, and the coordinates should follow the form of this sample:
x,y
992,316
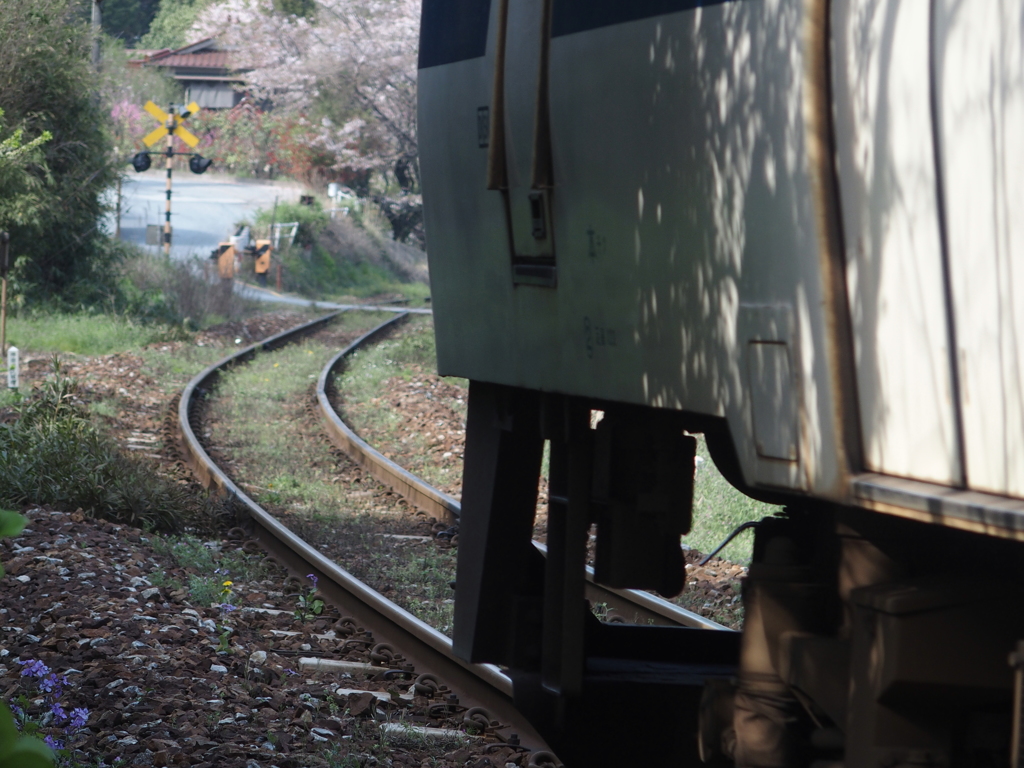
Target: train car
x,y
794,226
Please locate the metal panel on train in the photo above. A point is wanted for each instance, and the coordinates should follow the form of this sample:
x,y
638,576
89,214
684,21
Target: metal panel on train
x,y
980,102
889,193
684,250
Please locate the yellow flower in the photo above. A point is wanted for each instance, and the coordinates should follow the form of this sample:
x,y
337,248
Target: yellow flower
x,y
227,584
276,364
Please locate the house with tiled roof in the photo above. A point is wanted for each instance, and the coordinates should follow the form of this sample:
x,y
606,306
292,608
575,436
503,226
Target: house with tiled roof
x,y
204,71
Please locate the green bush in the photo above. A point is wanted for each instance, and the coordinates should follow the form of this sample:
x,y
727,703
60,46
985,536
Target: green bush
x,y
312,220
53,455
48,87
172,22
311,274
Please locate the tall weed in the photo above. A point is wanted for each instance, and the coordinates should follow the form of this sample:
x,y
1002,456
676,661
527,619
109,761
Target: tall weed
x,y
157,288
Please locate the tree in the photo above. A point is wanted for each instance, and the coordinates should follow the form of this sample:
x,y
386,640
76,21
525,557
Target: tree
x,y
351,67
172,24
304,8
350,70
48,87
128,20
21,198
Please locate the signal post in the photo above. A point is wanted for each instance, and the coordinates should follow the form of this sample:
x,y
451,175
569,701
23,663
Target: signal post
x,y
170,126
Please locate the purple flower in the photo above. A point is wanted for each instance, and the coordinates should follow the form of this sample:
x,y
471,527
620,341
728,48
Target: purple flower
x,y
228,607
51,683
34,668
312,577
53,743
58,713
290,672
79,716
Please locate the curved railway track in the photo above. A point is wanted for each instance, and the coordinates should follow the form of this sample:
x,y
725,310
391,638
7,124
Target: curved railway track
x,y
636,607
426,649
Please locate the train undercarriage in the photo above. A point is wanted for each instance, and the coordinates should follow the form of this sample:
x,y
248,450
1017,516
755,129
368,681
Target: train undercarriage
x,y
869,640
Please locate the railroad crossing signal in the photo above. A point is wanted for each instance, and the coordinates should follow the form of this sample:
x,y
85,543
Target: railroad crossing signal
x,y
171,126
171,123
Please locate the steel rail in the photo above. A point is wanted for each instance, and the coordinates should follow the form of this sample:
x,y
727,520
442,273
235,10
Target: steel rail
x,y
424,647
403,482
631,605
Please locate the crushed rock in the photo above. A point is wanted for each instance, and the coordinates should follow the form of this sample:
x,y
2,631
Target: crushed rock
x,y
159,690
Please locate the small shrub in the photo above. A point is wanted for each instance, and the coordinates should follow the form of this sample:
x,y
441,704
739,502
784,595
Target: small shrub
x,y
308,605
189,552
54,455
204,590
176,293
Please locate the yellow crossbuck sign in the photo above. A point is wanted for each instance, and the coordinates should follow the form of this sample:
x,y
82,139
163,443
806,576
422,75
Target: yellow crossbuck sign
x,y
165,122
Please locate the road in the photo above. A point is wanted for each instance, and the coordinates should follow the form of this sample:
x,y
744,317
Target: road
x,y
256,293
204,209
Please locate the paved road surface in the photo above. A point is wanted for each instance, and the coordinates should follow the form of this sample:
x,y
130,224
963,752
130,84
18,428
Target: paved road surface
x,y
204,209
264,294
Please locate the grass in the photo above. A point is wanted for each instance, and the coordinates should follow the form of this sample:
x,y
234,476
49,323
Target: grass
x,y
286,464
718,509
174,367
214,566
270,386
339,259
416,576
427,572
411,294
318,273
188,551
385,744
82,334
369,368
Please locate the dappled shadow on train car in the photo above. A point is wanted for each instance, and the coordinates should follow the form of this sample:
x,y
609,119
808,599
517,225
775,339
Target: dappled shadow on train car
x,y
889,194
725,215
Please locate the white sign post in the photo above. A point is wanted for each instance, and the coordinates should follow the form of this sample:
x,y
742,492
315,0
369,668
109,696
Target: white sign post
x,y
12,368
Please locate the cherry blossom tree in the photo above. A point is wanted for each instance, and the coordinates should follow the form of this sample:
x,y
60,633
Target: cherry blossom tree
x,y
361,53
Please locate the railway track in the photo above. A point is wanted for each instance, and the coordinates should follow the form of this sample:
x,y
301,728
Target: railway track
x,y
421,648
623,605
